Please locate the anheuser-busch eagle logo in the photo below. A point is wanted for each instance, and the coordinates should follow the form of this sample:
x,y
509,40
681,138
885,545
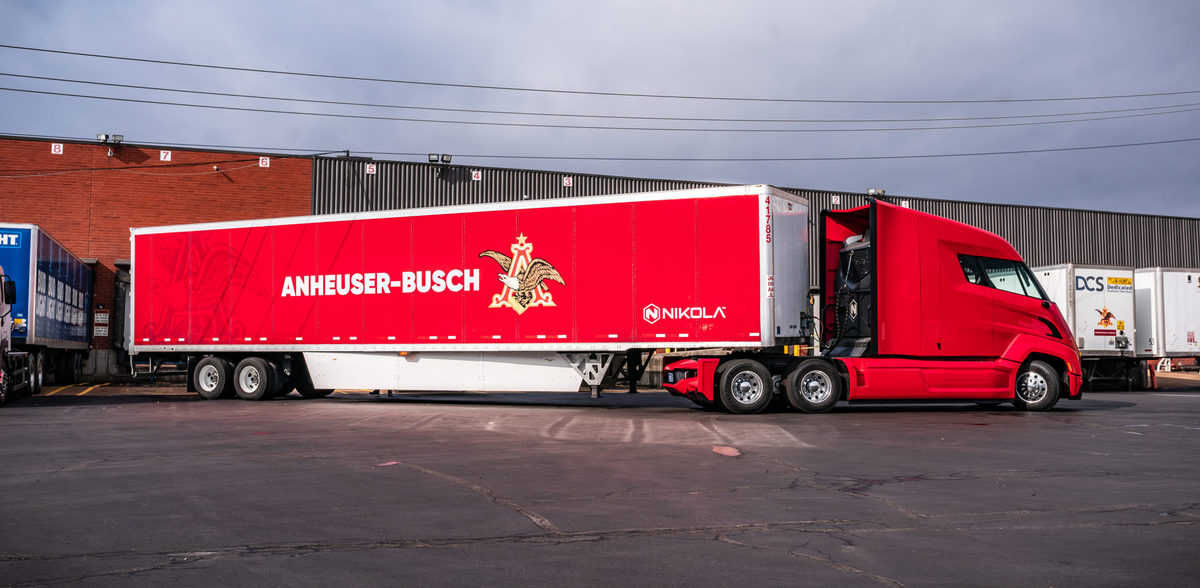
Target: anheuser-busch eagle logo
x,y
524,278
652,313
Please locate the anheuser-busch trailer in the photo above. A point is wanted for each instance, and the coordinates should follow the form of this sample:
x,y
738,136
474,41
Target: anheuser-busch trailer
x,y
554,295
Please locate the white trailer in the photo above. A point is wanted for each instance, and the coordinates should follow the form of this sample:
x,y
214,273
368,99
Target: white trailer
x,y
1168,312
1098,303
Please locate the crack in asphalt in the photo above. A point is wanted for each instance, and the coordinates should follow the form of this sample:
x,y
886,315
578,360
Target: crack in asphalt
x,y
537,519
836,529
819,556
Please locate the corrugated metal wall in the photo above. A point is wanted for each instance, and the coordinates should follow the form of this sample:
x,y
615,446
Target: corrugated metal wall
x,y
343,185
1044,236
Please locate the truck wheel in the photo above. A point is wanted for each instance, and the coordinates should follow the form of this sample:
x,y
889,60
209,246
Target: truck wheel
x,y
745,386
35,379
814,386
3,386
77,366
310,392
252,379
1037,386
211,377
66,370
303,382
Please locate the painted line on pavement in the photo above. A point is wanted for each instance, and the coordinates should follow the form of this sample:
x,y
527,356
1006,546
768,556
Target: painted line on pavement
x,y
90,388
57,390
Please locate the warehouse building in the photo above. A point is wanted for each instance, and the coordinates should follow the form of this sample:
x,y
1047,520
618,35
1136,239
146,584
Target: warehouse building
x,y
1043,235
89,193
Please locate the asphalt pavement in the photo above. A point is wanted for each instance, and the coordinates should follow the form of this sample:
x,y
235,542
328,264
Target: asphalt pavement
x,y
151,486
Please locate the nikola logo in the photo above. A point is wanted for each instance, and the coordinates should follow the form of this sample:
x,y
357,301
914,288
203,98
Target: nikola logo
x,y
652,313
10,239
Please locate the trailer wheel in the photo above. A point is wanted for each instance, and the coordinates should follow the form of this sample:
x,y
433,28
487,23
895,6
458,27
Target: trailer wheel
x,y
1037,386
303,382
35,379
212,376
3,386
252,379
310,392
814,386
745,386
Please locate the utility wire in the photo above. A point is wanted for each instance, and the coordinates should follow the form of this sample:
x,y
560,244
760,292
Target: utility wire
x,y
250,162
600,116
587,127
670,159
822,158
595,92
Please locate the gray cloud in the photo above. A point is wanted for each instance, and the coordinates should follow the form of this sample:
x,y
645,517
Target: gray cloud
x,y
834,50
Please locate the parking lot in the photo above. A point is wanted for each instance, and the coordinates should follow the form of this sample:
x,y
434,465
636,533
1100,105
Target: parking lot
x,y
108,485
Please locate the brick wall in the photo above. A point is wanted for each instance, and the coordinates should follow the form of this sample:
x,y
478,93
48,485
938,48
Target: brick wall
x,y
91,212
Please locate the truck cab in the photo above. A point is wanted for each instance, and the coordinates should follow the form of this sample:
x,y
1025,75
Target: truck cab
x,y
915,307
11,363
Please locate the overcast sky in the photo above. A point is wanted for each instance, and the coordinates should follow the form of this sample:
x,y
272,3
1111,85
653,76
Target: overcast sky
x,y
854,50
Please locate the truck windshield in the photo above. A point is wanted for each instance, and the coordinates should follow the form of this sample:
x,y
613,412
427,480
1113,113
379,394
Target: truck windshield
x,y
1002,274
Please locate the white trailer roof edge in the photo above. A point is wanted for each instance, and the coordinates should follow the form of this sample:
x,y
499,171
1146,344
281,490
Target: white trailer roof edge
x,y
1194,270
1083,266
714,192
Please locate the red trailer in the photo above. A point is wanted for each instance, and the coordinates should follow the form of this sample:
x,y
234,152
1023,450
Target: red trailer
x,y
917,307
530,295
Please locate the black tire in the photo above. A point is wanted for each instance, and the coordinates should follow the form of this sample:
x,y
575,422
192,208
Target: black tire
x,y
68,369
3,386
37,373
212,378
77,367
304,384
1037,386
254,379
310,392
814,386
744,386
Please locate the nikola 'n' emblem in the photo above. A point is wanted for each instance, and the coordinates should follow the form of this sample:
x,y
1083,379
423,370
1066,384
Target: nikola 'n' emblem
x,y
524,278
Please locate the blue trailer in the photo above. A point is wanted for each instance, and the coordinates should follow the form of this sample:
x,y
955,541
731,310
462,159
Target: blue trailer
x,y
44,313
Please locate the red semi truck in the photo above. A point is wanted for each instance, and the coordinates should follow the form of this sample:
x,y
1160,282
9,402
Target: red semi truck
x,y
552,295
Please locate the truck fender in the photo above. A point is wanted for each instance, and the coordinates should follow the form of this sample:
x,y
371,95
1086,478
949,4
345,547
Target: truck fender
x,y
1025,346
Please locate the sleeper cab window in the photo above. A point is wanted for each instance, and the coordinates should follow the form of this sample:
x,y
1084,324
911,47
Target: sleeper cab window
x,y
970,269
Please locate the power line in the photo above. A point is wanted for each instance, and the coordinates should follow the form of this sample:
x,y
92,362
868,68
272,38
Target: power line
x,y
586,127
821,158
595,92
666,159
600,116
29,173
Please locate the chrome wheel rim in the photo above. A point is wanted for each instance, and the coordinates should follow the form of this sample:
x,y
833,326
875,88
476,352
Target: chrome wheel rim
x,y
746,387
250,380
209,378
1032,387
815,386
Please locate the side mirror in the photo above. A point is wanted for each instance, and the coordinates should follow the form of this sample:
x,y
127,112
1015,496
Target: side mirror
x,y
10,292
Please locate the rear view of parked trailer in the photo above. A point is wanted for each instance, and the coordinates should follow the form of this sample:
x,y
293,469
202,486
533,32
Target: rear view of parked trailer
x,y
44,322
1168,312
1097,302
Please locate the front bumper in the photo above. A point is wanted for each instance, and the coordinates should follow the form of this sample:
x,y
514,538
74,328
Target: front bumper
x,y
1074,386
691,378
